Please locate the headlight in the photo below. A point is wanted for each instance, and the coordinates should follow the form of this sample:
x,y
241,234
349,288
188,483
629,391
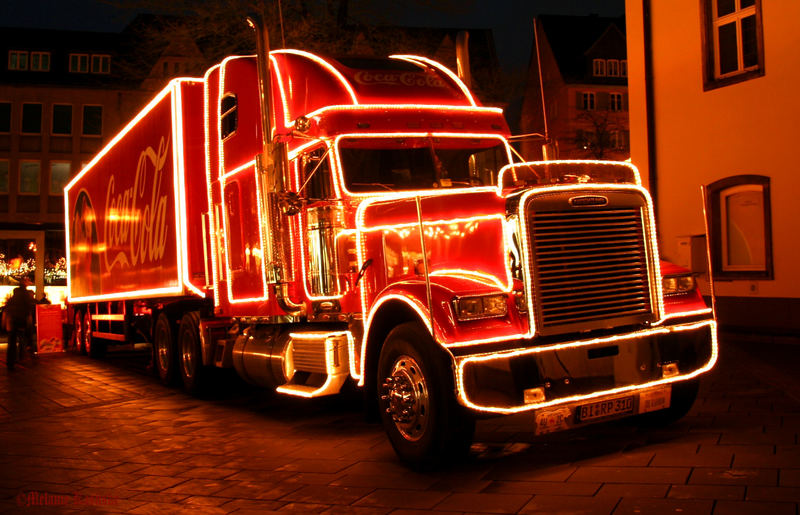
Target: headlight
x,y
673,284
484,306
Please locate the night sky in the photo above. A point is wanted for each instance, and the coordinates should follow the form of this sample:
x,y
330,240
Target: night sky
x,y
511,20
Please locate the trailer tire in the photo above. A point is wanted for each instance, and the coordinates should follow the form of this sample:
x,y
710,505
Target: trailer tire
x,y
86,333
194,374
164,351
76,339
422,419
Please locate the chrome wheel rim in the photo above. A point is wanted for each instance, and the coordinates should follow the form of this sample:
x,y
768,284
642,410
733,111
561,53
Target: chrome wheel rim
x,y
405,392
78,325
187,356
162,351
87,331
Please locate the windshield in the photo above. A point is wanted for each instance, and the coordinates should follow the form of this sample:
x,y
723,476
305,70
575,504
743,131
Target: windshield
x,y
420,163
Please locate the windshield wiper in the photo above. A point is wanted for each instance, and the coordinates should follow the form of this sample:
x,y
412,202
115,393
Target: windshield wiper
x,y
380,184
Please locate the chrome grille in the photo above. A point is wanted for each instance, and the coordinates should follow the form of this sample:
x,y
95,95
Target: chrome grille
x,y
590,268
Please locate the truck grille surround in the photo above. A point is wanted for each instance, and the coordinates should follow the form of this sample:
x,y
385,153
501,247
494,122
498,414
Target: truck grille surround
x,y
590,265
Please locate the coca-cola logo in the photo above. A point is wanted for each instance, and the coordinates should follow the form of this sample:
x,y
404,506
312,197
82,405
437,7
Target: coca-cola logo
x,y
136,218
390,78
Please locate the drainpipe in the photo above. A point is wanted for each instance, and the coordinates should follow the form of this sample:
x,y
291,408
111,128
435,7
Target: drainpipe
x,y
652,174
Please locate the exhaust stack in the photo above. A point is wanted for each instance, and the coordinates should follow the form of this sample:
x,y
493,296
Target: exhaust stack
x,y
273,172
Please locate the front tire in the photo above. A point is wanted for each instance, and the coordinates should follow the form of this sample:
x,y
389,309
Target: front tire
x,y
422,419
164,351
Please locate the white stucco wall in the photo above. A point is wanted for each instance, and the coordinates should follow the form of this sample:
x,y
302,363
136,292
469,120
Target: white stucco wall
x,y
701,136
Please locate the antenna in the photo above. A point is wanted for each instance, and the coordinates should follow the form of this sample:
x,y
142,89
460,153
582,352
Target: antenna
x,y
541,89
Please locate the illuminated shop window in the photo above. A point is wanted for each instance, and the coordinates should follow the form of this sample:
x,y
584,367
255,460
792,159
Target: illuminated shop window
x,y
40,61
612,68
741,227
62,119
3,176
17,60
29,176
59,176
599,67
31,118
92,120
5,116
734,46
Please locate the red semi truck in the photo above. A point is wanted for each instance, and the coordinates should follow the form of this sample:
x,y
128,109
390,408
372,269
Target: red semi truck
x,y
311,221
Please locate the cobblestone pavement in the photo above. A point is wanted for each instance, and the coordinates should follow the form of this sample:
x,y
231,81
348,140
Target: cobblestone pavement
x,y
78,434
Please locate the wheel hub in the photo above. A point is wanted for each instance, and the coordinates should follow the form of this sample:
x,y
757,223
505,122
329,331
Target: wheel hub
x,y
405,392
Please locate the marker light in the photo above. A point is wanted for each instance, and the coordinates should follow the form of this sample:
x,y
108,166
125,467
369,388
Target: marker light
x,y
675,284
482,306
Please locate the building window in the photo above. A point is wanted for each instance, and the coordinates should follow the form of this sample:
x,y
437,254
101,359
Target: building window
x,y
741,227
79,63
40,61
599,67
733,42
3,176
612,68
615,101
101,64
588,101
618,140
17,60
59,176
623,68
62,119
29,175
31,118
92,121
5,116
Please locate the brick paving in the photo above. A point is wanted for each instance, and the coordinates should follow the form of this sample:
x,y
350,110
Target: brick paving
x,y
78,434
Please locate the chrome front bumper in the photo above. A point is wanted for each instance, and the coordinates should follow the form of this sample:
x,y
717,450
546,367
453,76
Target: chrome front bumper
x,y
580,371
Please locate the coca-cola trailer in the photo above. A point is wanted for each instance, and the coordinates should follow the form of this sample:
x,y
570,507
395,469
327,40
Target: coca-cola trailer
x,y
381,233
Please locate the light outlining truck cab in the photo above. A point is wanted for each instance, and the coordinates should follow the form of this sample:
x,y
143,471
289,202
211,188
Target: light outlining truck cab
x,y
311,221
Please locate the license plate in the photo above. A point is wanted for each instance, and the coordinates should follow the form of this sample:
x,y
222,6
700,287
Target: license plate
x,y
552,420
604,409
655,400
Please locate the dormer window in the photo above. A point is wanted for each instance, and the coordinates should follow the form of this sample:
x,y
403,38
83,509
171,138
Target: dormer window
x,y
79,63
101,63
599,67
612,68
17,60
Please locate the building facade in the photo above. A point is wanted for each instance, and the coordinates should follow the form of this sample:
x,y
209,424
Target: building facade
x,y
584,77
713,105
63,95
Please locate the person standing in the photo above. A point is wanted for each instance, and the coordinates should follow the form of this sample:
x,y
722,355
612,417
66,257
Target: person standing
x,y
19,310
